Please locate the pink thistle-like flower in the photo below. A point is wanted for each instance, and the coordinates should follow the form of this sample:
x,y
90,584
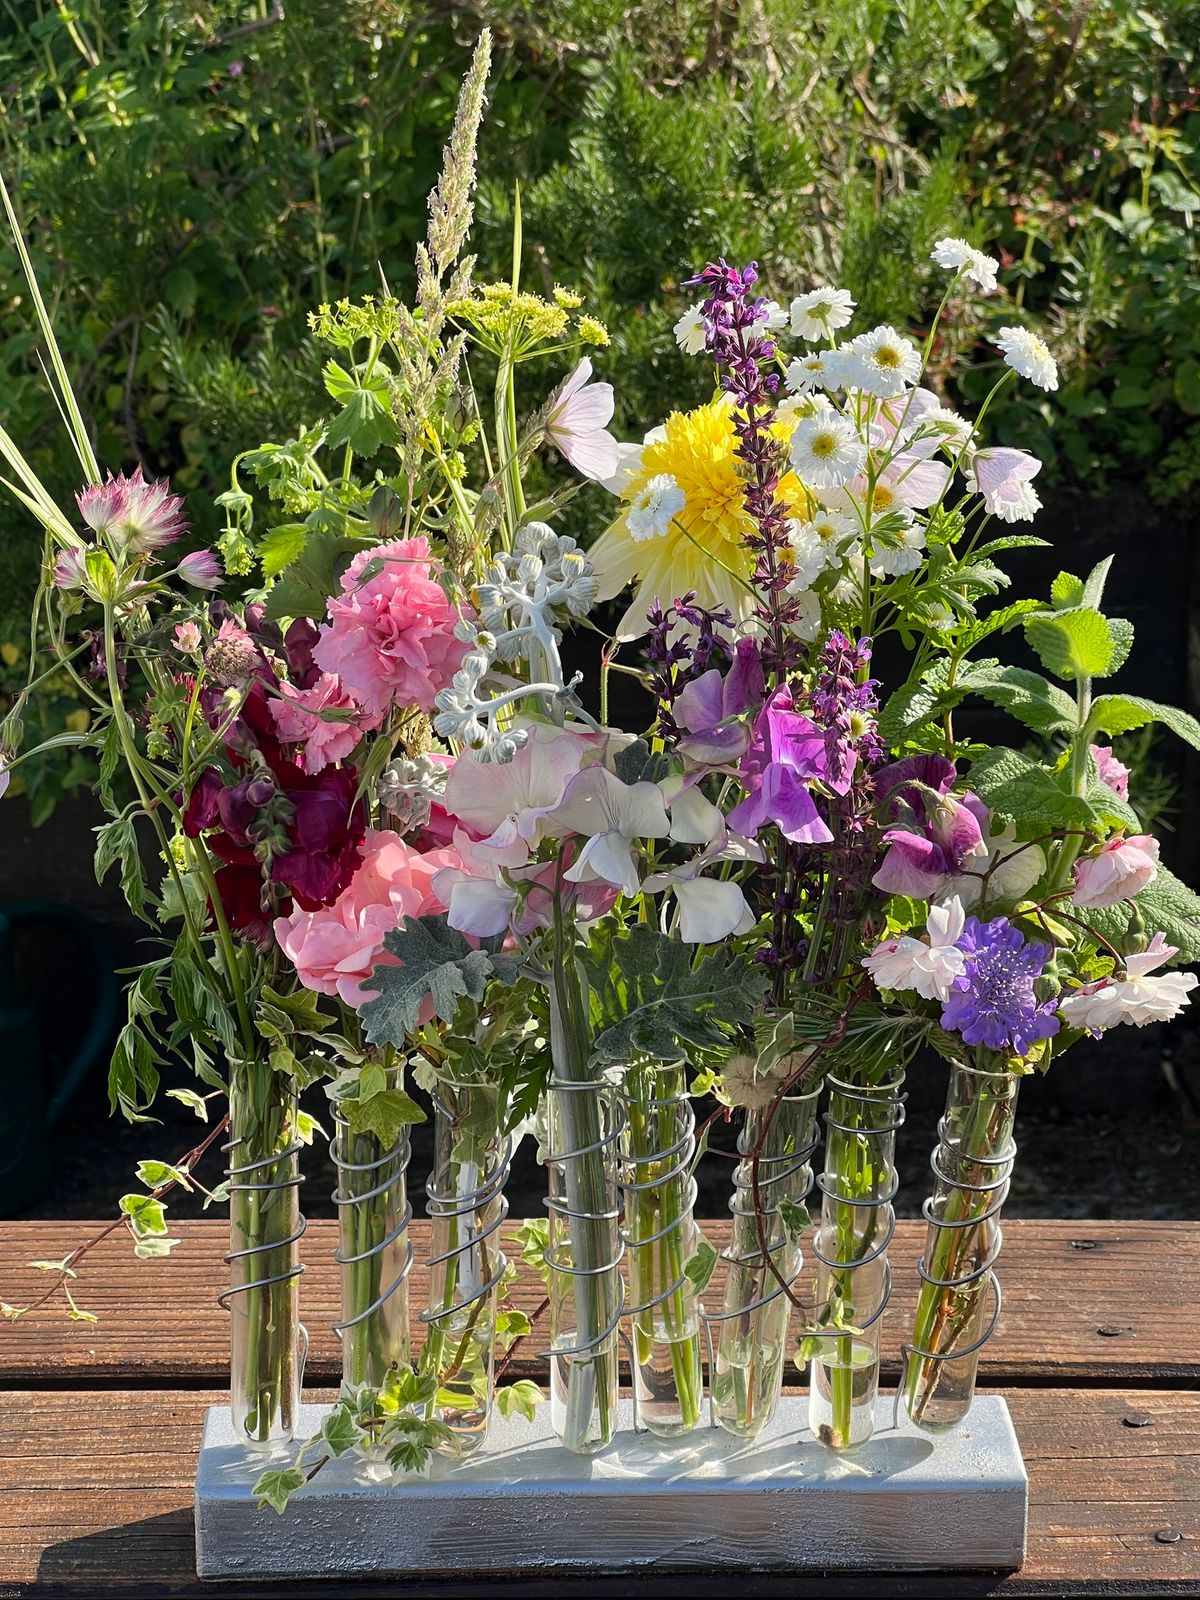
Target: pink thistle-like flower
x,y
298,720
577,425
1117,871
187,638
69,571
143,516
232,656
202,570
390,635
335,948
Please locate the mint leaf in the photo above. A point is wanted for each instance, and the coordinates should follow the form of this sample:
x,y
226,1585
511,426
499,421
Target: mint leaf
x,y
1015,787
1166,905
1072,644
1122,713
1066,592
1029,697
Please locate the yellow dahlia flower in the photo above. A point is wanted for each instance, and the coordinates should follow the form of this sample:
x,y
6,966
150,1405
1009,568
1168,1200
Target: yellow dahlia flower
x,y
683,520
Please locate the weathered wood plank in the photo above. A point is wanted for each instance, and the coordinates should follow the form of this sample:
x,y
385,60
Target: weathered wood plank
x,y
1072,1315
95,1500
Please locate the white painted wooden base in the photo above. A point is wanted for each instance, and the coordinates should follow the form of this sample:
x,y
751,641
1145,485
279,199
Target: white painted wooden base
x,y
903,1502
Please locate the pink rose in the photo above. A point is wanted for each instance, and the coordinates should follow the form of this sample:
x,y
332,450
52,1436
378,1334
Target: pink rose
x,y
1111,771
335,948
325,740
1120,870
391,639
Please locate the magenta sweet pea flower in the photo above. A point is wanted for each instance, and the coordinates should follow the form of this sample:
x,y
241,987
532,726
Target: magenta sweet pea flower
x,y
786,753
713,708
921,862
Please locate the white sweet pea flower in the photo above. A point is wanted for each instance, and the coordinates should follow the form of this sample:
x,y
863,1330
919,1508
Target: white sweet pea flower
x,y
929,966
690,334
612,816
710,909
1012,870
1025,353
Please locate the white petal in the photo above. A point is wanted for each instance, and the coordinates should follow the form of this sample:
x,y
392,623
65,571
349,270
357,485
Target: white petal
x,y
710,909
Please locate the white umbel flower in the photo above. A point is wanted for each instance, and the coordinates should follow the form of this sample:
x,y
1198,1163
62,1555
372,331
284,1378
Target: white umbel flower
x,y
1025,353
650,515
956,255
881,362
904,555
820,312
821,369
690,334
826,451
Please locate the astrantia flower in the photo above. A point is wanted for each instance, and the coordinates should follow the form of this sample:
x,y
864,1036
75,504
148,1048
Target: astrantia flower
x,y
232,656
993,1001
69,571
187,638
820,312
956,255
652,511
704,550
881,362
821,369
577,424
928,966
1111,771
391,637
202,570
1025,353
690,333
1140,998
826,451
1003,477
142,516
1119,870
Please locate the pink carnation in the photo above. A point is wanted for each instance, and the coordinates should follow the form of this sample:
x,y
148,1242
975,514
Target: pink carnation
x,y
325,740
335,948
391,638
1118,871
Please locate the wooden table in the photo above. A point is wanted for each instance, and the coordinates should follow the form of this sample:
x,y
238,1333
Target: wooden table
x,y
1098,1355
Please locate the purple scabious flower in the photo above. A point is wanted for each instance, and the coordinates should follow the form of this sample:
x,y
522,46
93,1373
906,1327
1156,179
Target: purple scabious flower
x,y
994,1002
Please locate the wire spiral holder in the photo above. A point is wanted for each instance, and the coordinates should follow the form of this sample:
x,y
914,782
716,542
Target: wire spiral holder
x,y
659,1235
583,1255
958,1278
374,1252
746,1367
854,1276
268,1345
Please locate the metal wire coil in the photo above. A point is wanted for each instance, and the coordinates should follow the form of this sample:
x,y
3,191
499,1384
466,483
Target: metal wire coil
x,y
396,1159
675,1160
450,1207
241,1181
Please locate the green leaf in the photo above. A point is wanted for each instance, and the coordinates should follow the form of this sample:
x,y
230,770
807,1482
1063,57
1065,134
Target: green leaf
x,y
281,546
276,1487
522,1398
1066,592
511,1326
701,1264
338,1433
153,1247
1017,788
795,1218
916,705
383,1115
372,1080
311,577
1000,620
365,421
147,1214
1121,632
116,841
436,962
1166,905
1032,699
1093,588
155,1173
648,999
1122,713
188,1097
1072,644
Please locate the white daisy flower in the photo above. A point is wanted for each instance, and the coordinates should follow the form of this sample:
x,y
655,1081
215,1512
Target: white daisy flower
x,y
881,362
826,539
690,333
903,553
820,312
956,255
821,369
954,433
772,316
1025,353
652,511
826,451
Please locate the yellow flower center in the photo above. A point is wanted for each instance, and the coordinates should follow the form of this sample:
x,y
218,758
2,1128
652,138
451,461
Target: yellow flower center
x,y
823,445
887,356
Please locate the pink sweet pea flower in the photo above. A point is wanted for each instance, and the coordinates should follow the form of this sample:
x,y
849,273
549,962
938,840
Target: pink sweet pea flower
x,y
1117,871
923,864
578,422
786,753
335,948
1003,477
507,805
390,636
326,739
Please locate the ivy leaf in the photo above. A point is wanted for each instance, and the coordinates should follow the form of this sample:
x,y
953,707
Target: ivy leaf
x,y
277,1486
153,1248
795,1218
195,1102
511,1326
155,1173
1166,905
523,1398
1018,788
338,1433
1072,644
1029,697
701,1264
146,1213
383,1115
649,1000
1122,713
436,962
